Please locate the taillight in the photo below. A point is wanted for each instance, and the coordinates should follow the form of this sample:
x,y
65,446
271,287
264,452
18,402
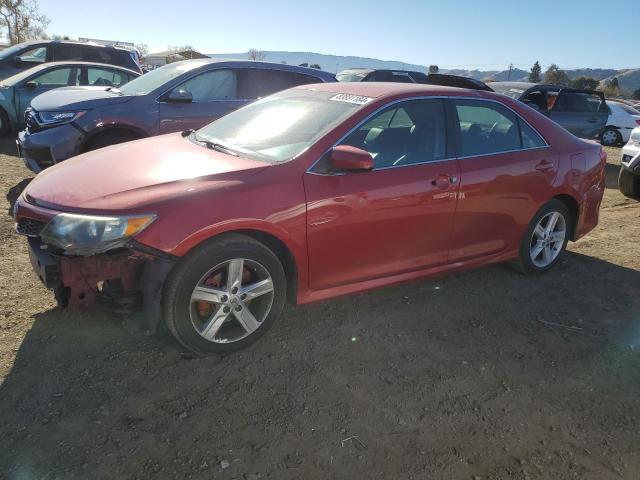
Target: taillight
x,y
638,121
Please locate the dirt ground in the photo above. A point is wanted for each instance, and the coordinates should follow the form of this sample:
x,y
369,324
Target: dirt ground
x,y
481,375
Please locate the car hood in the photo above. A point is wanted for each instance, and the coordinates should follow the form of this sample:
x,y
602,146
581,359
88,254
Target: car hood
x,y
135,174
77,98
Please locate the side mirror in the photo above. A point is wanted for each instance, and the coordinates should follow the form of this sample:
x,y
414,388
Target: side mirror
x,y
180,95
350,159
30,85
17,61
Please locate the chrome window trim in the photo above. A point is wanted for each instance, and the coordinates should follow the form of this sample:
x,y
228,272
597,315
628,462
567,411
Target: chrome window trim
x,y
423,97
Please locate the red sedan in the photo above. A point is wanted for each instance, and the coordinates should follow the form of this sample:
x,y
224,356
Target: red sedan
x,y
311,193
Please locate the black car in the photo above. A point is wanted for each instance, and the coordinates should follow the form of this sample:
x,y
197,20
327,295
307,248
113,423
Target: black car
x,y
583,112
30,54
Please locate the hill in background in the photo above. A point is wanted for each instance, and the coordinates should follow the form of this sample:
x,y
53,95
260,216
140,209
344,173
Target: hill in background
x,y
629,79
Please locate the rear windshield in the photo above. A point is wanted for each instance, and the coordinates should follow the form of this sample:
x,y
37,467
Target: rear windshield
x,y
629,109
281,126
352,75
508,90
157,78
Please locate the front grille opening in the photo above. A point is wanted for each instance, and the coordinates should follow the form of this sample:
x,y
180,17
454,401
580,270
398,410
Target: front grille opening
x,y
29,227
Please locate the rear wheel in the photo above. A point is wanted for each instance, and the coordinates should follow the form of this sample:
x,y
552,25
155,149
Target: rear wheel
x,y
110,138
225,295
545,239
610,137
628,184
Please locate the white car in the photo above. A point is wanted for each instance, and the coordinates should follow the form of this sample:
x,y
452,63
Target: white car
x,y
629,179
622,119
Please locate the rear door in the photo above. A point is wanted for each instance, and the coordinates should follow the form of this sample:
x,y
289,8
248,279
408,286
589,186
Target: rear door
x,y
506,173
583,112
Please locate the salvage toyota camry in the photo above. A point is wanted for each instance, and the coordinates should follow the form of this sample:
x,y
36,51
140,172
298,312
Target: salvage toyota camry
x,y
311,193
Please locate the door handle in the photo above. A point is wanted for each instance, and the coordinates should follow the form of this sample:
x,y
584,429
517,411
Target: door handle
x,y
593,120
443,180
544,166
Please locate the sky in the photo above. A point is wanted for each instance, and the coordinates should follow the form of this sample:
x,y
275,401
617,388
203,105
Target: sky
x,y
487,34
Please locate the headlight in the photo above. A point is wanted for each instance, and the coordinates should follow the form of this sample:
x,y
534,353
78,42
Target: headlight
x,y
55,118
88,235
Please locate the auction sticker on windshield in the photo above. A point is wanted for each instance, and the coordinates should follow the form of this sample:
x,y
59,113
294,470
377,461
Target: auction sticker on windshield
x,y
348,98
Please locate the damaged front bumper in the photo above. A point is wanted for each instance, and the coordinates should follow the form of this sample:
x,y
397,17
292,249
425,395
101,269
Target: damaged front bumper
x,y
126,280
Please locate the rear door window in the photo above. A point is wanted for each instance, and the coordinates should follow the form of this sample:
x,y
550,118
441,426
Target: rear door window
x,y
219,84
258,82
579,102
68,52
105,77
486,127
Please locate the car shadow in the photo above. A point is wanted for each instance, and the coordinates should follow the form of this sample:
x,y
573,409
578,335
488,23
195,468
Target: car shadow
x,y
611,175
8,145
417,367
14,192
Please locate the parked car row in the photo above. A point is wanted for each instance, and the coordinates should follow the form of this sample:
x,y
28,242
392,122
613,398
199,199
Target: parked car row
x,y
316,191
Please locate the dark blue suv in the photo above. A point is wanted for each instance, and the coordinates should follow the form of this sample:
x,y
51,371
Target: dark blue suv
x,y
180,96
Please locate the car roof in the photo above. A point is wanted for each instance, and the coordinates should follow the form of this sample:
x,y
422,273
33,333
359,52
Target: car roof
x,y
86,64
392,89
75,42
256,64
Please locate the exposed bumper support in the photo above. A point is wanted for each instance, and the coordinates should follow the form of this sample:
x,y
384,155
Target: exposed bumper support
x,y
123,281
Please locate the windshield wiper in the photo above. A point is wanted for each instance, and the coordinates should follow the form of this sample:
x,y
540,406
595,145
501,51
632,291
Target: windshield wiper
x,y
215,145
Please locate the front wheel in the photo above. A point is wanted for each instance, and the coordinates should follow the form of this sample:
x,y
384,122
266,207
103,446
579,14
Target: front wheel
x,y
545,239
224,295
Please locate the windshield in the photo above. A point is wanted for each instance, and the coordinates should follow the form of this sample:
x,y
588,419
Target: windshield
x,y
508,90
279,127
157,78
9,52
352,75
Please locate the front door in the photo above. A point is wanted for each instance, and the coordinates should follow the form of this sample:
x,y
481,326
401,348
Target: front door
x,y
55,77
506,172
393,219
213,94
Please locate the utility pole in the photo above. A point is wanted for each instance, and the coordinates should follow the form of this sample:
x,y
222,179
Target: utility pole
x,y
510,68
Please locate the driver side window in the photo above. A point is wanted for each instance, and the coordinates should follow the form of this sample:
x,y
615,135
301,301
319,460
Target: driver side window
x,y
35,55
214,85
403,134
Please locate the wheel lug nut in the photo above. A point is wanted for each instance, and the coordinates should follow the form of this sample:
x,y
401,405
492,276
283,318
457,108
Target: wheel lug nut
x,y
238,308
226,309
224,298
234,290
243,296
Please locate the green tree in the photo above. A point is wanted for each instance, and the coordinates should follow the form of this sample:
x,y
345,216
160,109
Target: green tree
x,y
585,83
316,66
534,75
555,76
613,88
433,69
305,64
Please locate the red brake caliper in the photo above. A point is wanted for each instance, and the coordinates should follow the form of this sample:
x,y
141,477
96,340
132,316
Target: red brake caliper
x,y
205,309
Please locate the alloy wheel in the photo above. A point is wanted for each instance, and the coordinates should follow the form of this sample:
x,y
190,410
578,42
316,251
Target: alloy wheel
x,y
548,239
232,300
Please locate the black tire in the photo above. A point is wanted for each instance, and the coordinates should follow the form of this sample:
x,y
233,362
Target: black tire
x,y
110,138
525,264
177,307
628,184
613,137
5,124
